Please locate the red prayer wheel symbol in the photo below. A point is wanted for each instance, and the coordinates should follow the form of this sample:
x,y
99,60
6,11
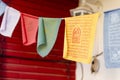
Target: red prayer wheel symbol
x,y
76,35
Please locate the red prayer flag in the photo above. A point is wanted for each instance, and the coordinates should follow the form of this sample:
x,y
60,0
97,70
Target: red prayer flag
x,y
29,25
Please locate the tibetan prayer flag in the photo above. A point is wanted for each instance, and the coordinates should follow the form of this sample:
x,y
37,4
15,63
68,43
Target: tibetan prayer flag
x,y
79,37
9,22
112,38
2,7
47,34
29,25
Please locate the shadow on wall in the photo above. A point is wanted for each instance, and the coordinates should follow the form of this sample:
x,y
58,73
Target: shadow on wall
x,y
2,40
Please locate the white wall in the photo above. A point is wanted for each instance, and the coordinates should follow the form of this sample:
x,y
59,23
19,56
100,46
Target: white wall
x,y
103,74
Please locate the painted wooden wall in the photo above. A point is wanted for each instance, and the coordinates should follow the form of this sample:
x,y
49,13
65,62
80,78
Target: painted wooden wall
x,y
103,73
19,62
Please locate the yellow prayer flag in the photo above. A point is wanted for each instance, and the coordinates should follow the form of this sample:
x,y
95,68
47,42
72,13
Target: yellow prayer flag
x,y
79,37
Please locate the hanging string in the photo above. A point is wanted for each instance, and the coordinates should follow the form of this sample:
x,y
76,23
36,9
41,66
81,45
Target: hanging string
x,y
98,55
82,71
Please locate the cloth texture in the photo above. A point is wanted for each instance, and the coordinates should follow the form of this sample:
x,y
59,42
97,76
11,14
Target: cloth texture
x,y
112,38
2,7
47,34
79,37
9,22
29,24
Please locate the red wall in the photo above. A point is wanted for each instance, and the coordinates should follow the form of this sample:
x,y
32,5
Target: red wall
x,y
19,62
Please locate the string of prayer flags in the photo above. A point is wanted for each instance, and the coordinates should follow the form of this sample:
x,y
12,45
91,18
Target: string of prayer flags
x,y
29,25
2,7
9,22
47,34
112,38
79,37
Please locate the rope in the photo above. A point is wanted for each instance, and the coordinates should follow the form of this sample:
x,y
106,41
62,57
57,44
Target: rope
x,y
98,55
82,70
95,65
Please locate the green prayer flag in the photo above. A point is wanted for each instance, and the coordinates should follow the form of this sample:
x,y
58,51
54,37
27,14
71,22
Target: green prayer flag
x,y
47,34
